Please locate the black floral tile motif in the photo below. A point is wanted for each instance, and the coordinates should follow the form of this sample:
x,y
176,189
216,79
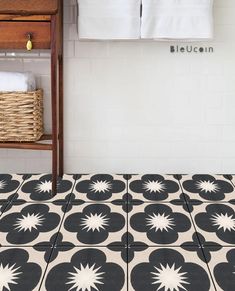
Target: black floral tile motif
x,y
127,202
232,201
47,246
3,205
191,203
101,187
222,268
202,247
216,222
28,224
10,202
168,269
230,178
154,187
94,224
181,201
38,188
129,247
20,269
86,269
208,188
9,184
68,202
160,224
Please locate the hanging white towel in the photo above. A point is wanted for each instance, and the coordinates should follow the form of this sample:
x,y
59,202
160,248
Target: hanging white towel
x,y
177,19
15,81
109,19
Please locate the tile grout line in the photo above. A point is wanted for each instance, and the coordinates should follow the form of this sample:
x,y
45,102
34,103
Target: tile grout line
x,y
201,246
182,189
54,244
127,249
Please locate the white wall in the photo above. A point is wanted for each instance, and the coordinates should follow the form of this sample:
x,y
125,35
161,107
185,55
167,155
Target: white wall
x,y
134,107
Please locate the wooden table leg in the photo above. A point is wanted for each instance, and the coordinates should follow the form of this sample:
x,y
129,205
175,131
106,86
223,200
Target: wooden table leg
x,y
61,118
54,99
61,92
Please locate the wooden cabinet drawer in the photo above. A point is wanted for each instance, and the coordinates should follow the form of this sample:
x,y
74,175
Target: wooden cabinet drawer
x,y
14,34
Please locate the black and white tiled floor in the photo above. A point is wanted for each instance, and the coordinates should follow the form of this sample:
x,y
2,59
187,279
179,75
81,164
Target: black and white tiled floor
x,y
117,232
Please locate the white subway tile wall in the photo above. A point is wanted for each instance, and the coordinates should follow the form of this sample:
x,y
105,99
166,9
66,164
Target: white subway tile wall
x,y
134,107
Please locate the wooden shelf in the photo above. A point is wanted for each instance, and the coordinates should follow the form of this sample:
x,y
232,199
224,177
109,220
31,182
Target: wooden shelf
x,y
30,145
43,20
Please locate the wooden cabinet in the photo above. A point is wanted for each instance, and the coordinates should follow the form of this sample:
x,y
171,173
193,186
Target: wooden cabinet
x,y
43,21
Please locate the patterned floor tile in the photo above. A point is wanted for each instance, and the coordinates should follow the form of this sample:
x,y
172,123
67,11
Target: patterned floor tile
x,y
37,188
85,269
160,224
21,269
143,225
94,224
29,224
208,188
215,222
101,187
222,266
154,188
9,183
167,269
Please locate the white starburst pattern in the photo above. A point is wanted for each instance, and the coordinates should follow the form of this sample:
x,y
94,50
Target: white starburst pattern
x,y
169,278
100,186
44,187
160,222
85,278
223,221
2,184
207,186
29,222
9,275
154,186
95,222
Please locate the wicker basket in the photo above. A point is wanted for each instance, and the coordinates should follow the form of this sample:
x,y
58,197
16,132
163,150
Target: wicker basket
x,y
21,116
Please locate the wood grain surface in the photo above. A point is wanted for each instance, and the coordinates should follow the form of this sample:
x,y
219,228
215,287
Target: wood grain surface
x,y
14,35
28,7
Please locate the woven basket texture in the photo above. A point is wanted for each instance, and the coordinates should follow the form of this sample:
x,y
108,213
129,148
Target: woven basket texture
x,y
21,116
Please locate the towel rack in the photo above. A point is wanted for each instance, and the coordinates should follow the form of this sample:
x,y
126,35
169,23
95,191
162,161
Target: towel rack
x,y
43,20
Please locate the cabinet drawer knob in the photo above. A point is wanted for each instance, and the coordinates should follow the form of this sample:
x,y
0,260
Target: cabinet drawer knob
x,y
29,45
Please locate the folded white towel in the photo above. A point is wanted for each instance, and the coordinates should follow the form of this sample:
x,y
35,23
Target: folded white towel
x,y
16,81
109,19
177,19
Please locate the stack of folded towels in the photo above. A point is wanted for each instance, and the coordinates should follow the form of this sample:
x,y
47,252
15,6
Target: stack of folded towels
x,y
177,19
109,19
161,19
16,81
